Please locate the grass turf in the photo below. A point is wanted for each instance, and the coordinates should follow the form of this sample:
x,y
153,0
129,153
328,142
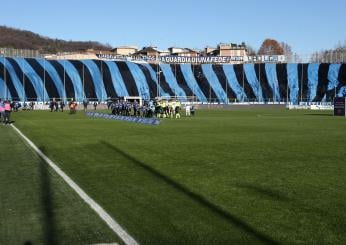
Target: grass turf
x,y
36,206
260,176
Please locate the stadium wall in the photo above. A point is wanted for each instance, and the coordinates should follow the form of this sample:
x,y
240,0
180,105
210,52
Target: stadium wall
x,y
41,80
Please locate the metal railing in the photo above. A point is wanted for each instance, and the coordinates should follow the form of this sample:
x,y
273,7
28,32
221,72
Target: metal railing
x,y
25,53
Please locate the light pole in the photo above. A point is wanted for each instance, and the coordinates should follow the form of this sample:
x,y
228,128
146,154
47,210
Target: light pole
x,y
175,75
65,80
193,93
259,80
243,94
83,81
274,93
209,93
159,81
23,79
194,85
226,91
101,73
301,84
44,79
287,92
5,78
158,77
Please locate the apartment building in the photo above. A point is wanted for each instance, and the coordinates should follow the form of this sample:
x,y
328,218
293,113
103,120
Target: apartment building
x,y
124,50
226,49
187,52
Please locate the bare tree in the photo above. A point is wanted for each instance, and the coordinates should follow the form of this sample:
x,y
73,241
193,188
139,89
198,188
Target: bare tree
x,y
250,50
336,55
287,49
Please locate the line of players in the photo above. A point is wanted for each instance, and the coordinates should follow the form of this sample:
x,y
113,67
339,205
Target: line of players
x,y
158,108
56,106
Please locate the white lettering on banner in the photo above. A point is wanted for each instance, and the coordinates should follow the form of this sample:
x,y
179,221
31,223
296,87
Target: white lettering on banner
x,y
196,59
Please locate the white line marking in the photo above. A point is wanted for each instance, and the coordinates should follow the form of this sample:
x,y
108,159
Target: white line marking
x,y
98,209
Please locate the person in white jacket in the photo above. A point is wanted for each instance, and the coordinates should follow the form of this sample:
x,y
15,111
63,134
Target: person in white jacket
x,y
187,110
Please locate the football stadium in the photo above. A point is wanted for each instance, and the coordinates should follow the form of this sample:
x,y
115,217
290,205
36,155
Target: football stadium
x,y
243,169
178,122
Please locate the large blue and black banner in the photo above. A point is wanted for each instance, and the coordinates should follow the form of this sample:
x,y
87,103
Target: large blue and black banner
x,y
41,80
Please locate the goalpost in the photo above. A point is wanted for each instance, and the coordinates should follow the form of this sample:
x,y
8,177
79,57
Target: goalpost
x,y
182,99
133,98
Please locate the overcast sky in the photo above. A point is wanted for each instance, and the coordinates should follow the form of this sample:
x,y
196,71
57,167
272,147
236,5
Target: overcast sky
x,y
306,25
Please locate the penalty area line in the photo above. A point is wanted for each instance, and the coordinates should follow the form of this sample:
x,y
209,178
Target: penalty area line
x,y
112,224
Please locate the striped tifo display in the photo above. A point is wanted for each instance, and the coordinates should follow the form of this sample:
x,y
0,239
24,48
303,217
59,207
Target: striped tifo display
x,y
41,80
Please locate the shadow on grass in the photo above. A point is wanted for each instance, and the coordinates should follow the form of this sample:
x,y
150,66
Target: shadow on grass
x,y
233,220
49,229
10,122
301,208
264,192
319,114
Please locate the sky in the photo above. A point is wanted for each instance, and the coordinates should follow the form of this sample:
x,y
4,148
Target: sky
x,y
306,25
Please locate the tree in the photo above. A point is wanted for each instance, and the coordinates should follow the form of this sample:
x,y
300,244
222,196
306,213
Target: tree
x,y
250,50
290,57
286,49
21,39
336,55
270,47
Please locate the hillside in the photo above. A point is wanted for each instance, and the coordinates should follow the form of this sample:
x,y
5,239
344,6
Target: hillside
x,y
21,39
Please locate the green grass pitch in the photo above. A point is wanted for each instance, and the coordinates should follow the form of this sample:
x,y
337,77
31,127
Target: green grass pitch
x,y
222,177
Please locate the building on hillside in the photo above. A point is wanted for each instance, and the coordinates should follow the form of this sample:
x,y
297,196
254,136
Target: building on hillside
x,y
147,51
175,50
227,49
237,53
208,51
125,50
164,52
183,52
71,56
80,55
93,51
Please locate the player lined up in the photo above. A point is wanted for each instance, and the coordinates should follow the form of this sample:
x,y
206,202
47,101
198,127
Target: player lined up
x,y
160,109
